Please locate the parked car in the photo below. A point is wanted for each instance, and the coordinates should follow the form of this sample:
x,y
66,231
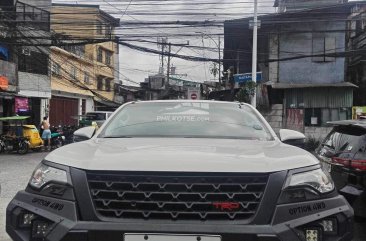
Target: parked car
x,y
343,154
99,117
185,171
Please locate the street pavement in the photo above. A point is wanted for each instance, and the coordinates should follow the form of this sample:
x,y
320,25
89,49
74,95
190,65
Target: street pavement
x,y
15,171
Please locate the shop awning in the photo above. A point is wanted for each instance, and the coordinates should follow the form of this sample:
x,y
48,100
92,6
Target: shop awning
x,y
281,85
107,103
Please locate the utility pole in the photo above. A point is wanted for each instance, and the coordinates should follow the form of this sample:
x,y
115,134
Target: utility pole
x,y
254,54
162,43
168,71
219,62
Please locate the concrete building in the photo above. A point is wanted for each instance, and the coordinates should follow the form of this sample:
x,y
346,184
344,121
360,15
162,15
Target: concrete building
x,y
297,5
301,55
83,76
33,60
25,83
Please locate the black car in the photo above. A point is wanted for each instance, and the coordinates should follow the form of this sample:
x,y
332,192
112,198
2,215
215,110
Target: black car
x,y
343,153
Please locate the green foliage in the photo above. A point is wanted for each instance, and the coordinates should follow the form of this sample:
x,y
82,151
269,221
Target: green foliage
x,y
246,92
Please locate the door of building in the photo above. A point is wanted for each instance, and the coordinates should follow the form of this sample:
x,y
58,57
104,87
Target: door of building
x,y
63,111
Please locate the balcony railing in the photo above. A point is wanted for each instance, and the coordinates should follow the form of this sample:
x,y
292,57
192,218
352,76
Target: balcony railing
x,y
33,16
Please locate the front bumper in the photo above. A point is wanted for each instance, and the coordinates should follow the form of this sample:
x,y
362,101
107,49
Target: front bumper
x,y
288,222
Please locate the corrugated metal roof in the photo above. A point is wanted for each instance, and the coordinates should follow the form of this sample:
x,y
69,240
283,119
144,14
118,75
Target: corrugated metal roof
x,y
319,98
282,85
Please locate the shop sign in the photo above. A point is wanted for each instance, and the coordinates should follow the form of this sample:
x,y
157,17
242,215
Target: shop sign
x,y
4,83
21,104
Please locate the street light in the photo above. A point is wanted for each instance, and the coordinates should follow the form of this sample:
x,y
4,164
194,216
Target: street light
x,y
218,45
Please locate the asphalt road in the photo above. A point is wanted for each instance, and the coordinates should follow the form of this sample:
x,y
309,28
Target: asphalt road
x,y
15,171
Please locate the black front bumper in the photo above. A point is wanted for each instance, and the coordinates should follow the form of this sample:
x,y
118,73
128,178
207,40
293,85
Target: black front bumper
x,y
288,222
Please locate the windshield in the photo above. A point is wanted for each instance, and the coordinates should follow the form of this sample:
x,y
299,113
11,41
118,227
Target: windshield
x,y
186,119
95,116
345,139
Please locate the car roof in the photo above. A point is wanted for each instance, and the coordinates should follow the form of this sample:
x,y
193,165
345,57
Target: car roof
x,y
356,123
192,101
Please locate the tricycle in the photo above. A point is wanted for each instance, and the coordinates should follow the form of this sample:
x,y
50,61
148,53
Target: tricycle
x,y
18,136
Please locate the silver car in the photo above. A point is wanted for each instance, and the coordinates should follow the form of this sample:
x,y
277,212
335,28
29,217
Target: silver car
x,y
181,171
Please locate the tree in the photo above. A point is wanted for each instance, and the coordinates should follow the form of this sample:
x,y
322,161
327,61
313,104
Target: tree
x,y
246,92
214,70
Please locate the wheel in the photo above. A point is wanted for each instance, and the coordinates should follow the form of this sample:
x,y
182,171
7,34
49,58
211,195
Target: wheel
x,y
2,146
57,143
38,149
23,148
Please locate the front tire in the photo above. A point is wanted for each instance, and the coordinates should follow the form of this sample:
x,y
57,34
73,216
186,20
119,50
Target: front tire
x,y
23,148
2,146
57,143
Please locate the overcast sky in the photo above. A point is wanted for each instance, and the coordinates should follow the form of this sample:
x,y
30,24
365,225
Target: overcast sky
x,y
136,66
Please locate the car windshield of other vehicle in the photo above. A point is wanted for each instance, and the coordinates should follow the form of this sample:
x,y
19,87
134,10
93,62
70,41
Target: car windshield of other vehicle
x,y
95,116
187,119
345,139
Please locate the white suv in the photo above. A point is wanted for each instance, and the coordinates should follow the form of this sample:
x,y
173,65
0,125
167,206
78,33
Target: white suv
x,y
180,171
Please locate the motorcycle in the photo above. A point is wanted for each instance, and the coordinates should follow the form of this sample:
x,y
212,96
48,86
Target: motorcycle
x,y
57,137
18,144
68,132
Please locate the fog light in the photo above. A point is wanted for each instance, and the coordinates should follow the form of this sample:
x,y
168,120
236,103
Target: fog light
x,y
329,226
40,229
313,234
26,220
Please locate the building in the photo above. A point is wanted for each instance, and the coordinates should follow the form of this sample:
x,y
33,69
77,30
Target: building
x,y
356,72
33,59
8,62
302,57
83,75
297,5
24,80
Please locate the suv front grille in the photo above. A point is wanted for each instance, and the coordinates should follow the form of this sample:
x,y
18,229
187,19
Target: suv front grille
x,y
172,196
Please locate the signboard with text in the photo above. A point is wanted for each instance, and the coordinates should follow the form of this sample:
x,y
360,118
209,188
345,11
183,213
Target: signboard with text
x,y
243,78
21,104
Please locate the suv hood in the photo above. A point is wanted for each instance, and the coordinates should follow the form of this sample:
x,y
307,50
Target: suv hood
x,y
182,155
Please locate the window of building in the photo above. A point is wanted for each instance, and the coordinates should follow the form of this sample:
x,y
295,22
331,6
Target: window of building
x,y
108,31
100,83
108,58
321,116
73,73
56,69
100,55
86,78
323,46
108,85
99,27
78,50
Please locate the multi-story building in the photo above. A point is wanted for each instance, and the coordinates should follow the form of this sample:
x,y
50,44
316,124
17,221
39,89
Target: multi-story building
x,y
302,55
33,29
24,80
8,66
83,75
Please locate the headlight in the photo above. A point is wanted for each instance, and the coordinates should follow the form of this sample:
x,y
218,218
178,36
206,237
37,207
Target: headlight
x,y
306,186
316,179
44,174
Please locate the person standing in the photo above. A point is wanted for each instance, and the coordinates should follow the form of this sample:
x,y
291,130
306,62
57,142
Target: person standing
x,y
46,134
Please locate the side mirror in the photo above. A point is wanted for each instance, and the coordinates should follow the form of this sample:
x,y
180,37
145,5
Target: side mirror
x,y
292,137
84,133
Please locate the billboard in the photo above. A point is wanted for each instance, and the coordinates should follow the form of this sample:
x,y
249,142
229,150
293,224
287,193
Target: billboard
x,y
21,104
